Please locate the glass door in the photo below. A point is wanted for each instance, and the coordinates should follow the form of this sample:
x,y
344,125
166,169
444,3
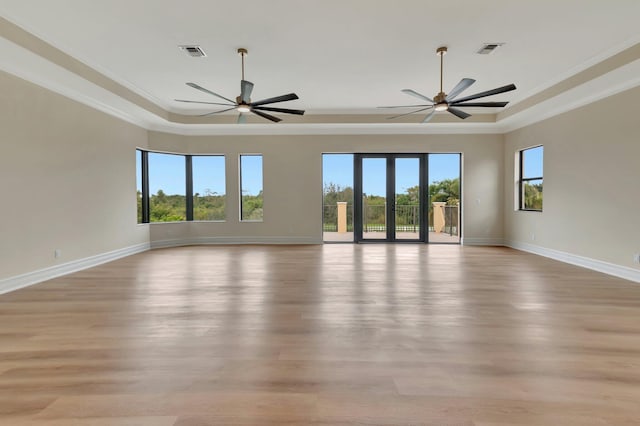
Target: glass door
x,y
373,201
389,202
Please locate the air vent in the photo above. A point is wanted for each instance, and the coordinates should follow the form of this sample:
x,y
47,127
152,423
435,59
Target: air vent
x,y
488,48
193,51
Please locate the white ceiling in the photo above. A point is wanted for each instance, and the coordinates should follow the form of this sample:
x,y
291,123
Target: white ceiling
x,y
339,56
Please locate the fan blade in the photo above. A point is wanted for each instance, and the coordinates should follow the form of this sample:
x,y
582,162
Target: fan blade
x,y
216,112
481,104
283,98
265,115
417,95
241,119
460,87
458,113
198,102
246,87
202,89
285,110
404,106
409,113
502,89
429,116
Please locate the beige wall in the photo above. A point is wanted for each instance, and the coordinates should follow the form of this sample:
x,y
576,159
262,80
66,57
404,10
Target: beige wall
x,y
66,180
591,180
293,182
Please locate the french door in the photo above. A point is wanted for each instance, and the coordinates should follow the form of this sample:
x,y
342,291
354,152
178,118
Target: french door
x,y
390,197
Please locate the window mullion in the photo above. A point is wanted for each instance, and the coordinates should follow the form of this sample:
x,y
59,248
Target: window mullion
x,y
188,161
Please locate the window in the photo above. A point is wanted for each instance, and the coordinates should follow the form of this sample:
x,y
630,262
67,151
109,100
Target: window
x,y
173,188
251,197
530,179
167,188
209,188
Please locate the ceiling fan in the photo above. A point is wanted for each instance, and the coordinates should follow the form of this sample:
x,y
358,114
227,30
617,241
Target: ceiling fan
x,y
447,102
243,102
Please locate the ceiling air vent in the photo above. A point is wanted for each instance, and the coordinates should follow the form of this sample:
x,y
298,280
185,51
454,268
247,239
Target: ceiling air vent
x,y
488,48
193,51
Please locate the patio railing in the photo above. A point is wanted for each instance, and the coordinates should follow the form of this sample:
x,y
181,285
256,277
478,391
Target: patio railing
x,y
374,218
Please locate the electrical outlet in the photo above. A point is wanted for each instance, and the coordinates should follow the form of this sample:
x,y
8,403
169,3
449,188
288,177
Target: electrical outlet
x,y
57,253
533,236
636,257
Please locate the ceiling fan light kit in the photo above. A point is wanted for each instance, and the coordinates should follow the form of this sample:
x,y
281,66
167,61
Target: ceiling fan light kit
x,y
448,102
442,106
243,103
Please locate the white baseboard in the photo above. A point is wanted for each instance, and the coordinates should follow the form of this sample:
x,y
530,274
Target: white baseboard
x,y
482,242
30,278
585,262
177,242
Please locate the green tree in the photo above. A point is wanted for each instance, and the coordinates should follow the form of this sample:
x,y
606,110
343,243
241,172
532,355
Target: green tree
x,y
210,206
409,198
139,203
167,208
447,190
533,196
332,194
252,207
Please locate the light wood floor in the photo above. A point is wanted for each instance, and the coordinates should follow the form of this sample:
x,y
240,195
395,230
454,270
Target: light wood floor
x,y
323,335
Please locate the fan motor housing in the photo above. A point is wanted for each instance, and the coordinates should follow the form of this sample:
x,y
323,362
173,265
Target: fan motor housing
x,y
439,98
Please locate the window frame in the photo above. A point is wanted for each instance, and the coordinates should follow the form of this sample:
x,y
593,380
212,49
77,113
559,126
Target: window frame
x,y
186,187
144,187
523,180
188,171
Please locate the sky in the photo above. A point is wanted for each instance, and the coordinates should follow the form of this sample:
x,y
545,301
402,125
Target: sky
x,y
167,171
533,162
208,174
251,174
338,168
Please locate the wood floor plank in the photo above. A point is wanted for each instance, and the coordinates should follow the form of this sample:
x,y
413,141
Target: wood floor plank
x,y
376,334
97,421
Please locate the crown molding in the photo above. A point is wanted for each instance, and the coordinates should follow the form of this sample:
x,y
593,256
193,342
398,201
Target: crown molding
x,y
26,56
619,80
324,129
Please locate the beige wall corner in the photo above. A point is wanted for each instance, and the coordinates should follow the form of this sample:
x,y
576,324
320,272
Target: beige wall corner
x,y
67,176
591,175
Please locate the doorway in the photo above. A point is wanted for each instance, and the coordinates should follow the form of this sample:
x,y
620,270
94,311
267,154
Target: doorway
x,y
389,197
392,197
